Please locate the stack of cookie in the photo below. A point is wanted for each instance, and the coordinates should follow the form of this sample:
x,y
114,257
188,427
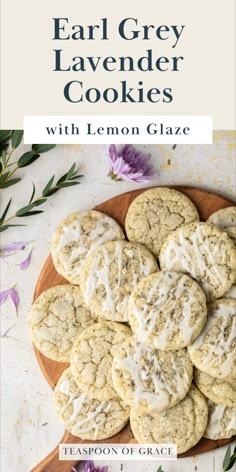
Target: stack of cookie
x,y
135,335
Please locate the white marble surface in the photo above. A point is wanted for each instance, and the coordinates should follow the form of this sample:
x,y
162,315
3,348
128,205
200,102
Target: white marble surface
x,y
29,424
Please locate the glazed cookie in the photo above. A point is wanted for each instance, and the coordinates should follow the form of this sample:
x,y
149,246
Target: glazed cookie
x,y
167,310
92,356
204,252
214,351
184,424
57,317
154,214
84,416
110,274
153,379
219,391
224,218
77,236
221,421
231,233
231,292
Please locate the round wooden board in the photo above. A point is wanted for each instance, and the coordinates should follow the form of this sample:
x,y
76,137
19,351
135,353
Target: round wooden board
x,y
206,203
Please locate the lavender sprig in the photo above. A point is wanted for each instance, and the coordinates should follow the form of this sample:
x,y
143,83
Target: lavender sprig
x,y
229,460
67,180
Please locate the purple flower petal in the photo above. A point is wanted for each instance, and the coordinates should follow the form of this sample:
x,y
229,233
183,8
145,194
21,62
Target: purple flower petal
x,y
89,466
16,246
3,295
127,163
15,297
24,264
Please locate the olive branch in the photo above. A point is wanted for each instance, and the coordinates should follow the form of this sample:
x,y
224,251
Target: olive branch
x,y
9,142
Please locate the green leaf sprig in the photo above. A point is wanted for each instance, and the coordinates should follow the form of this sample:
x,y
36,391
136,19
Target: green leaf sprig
x,y
229,460
67,180
9,142
160,469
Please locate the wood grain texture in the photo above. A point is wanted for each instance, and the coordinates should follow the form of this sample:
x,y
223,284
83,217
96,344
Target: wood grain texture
x,y
206,203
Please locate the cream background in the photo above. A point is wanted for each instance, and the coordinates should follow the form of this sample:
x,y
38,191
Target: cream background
x,y
30,429
205,85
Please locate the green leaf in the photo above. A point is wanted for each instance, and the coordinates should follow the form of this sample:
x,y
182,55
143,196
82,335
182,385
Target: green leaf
x,y
62,179
68,184
226,461
9,183
27,158
160,469
48,186
38,202
76,177
4,177
5,211
71,171
232,462
4,157
5,227
33,194
24,209
16,138
5,134
40,148
52,191
30,213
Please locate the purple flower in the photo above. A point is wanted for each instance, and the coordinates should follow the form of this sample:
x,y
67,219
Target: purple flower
x,y
89,466
13,294
17,246
127,163
11,248
24,264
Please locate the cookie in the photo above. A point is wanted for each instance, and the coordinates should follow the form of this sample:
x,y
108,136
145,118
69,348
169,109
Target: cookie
x,y
183,425
110,274
92,355
204,252
167,310
231,292
57,317
84,416
221,421
219,391
214,351
231,233
77,236
146,377
154,214
224,218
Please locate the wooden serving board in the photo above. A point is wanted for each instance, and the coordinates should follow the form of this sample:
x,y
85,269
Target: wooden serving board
x,y
206,203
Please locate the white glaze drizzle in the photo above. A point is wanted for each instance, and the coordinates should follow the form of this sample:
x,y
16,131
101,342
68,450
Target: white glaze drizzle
x,y
231,293
182,252
95,419
159,398
216,415
99,275
219,351
171,287
105,230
